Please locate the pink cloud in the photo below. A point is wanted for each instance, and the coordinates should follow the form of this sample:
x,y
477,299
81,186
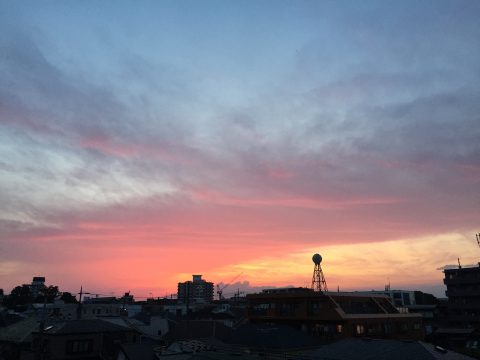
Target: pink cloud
x,y
123,149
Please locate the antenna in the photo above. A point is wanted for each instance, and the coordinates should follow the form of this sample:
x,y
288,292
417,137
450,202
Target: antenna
x,y
459,266
478,239
318,280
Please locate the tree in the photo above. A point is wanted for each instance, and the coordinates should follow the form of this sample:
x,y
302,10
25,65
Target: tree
x,y
68,298
20,295
51,292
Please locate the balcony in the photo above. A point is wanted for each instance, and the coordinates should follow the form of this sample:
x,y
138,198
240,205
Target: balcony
x,y
462,280
464,307
463,292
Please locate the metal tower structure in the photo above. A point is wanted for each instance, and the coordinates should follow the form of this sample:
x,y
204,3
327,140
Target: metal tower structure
x,y
318,280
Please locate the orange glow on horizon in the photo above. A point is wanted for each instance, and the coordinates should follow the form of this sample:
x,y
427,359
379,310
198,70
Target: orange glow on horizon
x,y
404,263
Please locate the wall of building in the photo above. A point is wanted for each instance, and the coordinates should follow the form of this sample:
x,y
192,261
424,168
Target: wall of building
x,y
340,316
463,291
67,346
60,347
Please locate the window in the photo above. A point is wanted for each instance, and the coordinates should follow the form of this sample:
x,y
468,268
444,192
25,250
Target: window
x,y
79,346
314,308
261,309
286,309
360,329
339,329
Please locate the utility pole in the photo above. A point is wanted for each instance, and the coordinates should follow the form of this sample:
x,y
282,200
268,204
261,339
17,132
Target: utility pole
x,y
79,307
124,307
41,329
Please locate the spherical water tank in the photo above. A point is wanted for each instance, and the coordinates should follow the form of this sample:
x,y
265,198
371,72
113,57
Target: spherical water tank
x,y
317,259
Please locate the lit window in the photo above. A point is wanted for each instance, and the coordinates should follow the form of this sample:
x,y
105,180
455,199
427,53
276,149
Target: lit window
x,y
360,330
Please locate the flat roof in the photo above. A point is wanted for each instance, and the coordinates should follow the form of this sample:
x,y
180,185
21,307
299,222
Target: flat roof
x,y
312,294
382,316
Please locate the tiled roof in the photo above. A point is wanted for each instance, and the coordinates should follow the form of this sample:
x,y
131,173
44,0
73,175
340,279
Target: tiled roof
x,y
138,351
7,319
19,332
85,326
198,329
363,349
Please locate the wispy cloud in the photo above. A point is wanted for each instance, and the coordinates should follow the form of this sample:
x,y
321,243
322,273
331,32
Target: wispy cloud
x,y
160,138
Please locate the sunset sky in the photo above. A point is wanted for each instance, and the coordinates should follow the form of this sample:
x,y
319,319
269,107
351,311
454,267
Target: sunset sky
x,y
142,142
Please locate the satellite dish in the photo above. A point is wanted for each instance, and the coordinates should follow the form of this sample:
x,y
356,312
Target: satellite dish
x,y
317,259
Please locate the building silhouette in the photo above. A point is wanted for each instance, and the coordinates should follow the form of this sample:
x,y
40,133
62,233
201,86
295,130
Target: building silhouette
x,y
197,291
463,292
37,286
334,314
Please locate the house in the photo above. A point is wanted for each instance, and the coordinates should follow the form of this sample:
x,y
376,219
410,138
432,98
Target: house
x,y
86,338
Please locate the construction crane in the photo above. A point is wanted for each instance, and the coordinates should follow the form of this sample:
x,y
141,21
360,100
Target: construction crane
x,y
220,289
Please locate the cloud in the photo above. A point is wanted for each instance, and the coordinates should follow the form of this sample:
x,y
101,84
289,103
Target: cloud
x,y
365,136
411,263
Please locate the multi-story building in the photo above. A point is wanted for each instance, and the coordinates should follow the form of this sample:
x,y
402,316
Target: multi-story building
x,y
462,316
196,291
463,292
38,284
334,314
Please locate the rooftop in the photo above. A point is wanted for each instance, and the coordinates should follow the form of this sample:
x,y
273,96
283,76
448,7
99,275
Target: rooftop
x,y
19,332
84,326
366,349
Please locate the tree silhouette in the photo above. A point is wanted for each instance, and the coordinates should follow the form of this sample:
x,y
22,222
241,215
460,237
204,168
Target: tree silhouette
x,y
68,298
20,295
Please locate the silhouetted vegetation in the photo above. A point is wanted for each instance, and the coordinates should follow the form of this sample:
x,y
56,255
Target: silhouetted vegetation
x,y
23,295
68,298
